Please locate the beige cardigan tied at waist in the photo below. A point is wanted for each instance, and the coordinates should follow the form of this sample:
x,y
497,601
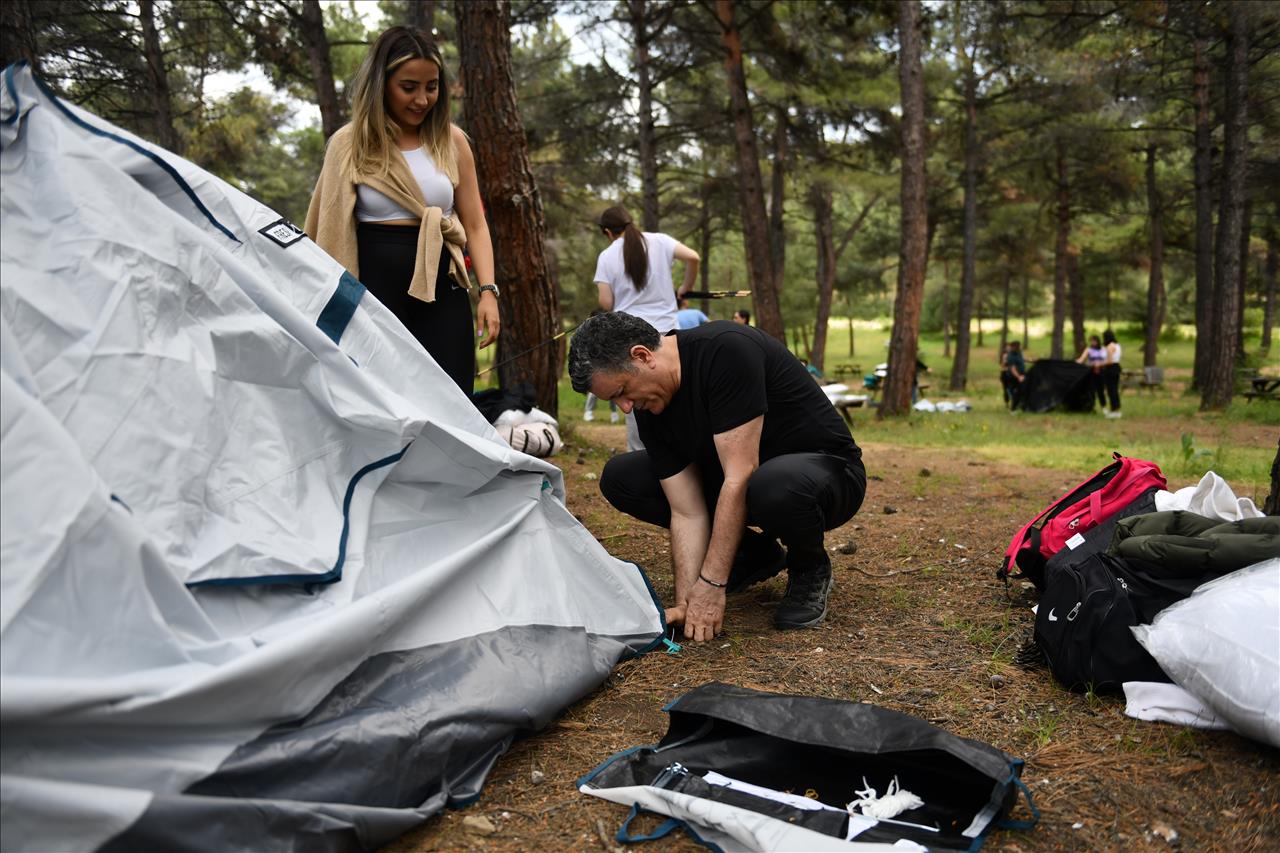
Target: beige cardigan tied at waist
x,y
331,217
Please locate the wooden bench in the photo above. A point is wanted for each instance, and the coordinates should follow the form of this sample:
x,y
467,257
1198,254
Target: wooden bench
x,y
1263,388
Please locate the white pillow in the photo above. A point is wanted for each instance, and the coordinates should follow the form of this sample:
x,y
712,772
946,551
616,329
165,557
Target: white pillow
x,y
1222,645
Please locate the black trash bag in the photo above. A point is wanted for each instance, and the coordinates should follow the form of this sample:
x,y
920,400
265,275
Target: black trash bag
x,y
826,749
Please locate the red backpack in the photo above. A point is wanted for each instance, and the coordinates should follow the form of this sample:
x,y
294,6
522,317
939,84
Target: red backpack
x,y
1081,509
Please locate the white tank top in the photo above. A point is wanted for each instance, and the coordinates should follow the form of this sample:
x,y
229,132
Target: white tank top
x,y
437,189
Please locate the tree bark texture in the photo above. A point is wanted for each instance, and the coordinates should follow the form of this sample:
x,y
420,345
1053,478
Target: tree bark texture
x,y
530,302
644,96
1271,506
777,199
820,202
158,79
1218,385
1203,170
913,251
1246,226
311,28
968,270
1155,280
755,227
1269,285
1075,296
18,35
1060,249
422,14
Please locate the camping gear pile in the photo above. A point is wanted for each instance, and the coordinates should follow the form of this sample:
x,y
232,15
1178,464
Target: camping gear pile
x,y
743,769
269,579
1140,586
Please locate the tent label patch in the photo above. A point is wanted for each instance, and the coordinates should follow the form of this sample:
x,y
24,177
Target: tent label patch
x,y
282,232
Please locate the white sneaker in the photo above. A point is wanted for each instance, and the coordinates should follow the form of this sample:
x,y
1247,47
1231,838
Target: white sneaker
x,y
613,417
588,415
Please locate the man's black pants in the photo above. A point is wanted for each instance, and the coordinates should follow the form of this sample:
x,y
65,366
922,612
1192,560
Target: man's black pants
x,y
795,498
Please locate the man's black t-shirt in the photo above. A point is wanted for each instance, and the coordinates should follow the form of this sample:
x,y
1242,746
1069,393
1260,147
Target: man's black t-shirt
x,y
729,374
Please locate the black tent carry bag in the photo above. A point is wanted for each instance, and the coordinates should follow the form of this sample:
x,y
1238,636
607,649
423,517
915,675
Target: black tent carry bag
x,y
815,754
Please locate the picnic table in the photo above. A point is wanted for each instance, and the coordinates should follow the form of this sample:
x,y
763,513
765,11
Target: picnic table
x,y
1263,387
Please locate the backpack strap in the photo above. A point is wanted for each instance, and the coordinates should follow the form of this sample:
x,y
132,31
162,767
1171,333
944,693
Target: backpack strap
x,y
661,831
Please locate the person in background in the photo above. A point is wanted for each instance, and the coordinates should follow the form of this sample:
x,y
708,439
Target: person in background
x,y
398,191
1013,370
634,275
1094,357
1111,372
689,318
742,316
589,413
737,436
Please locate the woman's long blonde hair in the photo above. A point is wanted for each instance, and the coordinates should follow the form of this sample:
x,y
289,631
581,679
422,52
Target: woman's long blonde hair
x,y
373,131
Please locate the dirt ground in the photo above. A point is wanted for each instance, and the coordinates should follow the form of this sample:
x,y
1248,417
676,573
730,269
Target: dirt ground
x,y
918,624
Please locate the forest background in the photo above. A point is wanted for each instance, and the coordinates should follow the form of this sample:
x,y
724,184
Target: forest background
x,y
1095,164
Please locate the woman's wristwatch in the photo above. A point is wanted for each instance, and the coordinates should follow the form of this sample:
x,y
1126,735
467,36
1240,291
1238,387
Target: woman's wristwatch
x,y
491,288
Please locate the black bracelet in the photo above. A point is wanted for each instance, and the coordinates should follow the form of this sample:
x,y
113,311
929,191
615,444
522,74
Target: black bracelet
x,y
706,579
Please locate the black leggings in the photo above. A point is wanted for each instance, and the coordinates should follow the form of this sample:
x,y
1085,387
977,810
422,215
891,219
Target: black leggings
x,y
443,327
795,498
1111,381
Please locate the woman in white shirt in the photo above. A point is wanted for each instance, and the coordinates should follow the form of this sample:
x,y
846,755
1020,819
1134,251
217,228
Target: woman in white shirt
x,y
1111,371
633,275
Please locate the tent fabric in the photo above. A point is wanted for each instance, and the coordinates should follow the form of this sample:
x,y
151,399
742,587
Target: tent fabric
x,y
1055,384
269,580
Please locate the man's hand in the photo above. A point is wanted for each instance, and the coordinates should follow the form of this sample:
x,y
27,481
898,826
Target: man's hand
x,y
704,613
675,615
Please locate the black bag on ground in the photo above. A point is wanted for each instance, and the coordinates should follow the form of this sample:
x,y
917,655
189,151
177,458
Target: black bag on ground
x,y
808,747
1082,626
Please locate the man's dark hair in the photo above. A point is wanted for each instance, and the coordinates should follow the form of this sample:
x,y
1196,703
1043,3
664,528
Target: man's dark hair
x,y
603,344
744,314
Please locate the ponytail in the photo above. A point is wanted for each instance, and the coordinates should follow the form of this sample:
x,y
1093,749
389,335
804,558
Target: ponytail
x,y
635,254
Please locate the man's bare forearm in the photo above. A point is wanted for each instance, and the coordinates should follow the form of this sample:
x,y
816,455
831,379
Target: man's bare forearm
x,y
726,530
689,537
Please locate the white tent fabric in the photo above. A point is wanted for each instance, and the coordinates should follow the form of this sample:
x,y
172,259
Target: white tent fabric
x,y
267,578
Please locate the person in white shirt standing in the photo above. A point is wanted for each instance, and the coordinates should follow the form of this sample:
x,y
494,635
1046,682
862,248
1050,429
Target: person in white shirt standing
x,y
634,275
1111,371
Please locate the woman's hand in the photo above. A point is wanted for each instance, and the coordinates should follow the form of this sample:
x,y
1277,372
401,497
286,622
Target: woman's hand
x,y
488,322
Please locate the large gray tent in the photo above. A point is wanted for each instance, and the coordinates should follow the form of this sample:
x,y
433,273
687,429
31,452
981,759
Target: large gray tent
x,y
268,579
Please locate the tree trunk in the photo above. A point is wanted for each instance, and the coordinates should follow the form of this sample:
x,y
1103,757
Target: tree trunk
x,y
1218,386
422,15
644,96
977,313
1246,226
311,28
777,197
1075,295
530,303
1026,310
904,339
1060,259
18,35
1004,310
1269,300
1155,281
704,228
960,366
946,308
158,78
755,227
1203,168
824,241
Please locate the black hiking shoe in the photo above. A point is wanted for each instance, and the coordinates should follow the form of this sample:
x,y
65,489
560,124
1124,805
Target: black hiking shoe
x,y
758,559
805,603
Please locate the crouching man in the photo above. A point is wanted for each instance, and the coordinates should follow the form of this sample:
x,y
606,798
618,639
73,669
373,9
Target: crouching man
x,y
737,436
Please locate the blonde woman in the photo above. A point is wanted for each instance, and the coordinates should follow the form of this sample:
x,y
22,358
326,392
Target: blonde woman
x,y
398,201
